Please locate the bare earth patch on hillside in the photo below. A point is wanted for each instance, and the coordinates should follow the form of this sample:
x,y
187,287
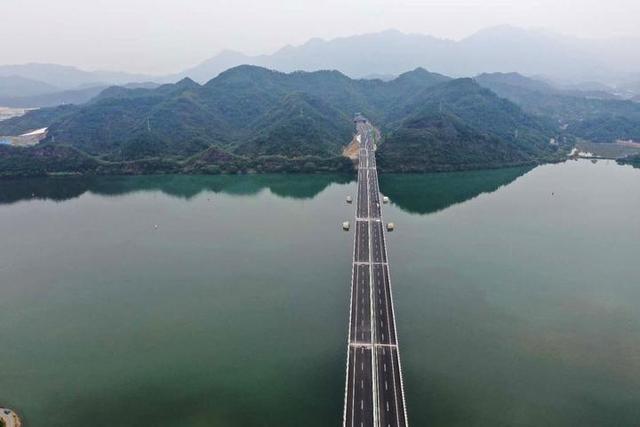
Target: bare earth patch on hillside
x,y
351,150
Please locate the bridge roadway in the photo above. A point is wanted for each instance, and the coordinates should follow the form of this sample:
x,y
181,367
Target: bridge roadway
x,y
374,394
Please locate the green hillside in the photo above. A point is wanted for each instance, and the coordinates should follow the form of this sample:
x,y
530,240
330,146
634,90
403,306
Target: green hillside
x,y
434,141
597,120
299,125
459,125
253,119
35,119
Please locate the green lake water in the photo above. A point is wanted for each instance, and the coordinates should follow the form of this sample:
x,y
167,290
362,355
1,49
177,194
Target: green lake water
x,y
223,301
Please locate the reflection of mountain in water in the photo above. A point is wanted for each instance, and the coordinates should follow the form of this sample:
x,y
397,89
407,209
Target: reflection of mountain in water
x,y
428,193
184,186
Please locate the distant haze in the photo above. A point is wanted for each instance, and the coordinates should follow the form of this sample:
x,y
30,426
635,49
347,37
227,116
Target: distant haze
x,y
165,36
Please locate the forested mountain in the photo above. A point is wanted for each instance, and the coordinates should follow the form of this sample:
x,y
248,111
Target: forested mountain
x,y
460,125
251,118
299,125
35,119
598,120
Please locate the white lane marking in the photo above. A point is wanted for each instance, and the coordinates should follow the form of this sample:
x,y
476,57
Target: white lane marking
x,y
370,184
361,344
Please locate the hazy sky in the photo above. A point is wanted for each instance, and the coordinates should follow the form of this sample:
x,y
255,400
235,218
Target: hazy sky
x,y
159,36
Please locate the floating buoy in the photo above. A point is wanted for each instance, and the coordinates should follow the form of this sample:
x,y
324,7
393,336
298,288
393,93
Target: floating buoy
x,y
10,417
155,226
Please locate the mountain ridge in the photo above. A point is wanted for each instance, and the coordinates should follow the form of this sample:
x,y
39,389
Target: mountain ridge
x,y
254,119
564,59
494,49
596,119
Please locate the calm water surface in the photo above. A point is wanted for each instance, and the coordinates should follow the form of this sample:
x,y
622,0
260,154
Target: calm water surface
x,y
516,294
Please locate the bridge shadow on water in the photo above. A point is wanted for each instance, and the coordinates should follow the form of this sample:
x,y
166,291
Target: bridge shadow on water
x,y
181,186
428,193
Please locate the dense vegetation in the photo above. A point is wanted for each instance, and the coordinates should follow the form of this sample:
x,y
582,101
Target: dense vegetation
x,y
608,128
42,160
435,141
582,115
253,119
459,125
35,119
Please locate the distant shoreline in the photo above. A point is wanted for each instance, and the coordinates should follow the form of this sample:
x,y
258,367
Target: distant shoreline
x,y
442,169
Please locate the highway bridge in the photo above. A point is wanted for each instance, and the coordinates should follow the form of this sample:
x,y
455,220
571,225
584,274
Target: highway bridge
x,y
374,393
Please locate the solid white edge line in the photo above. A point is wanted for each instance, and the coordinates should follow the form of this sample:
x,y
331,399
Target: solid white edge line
x,y
395,326
346,382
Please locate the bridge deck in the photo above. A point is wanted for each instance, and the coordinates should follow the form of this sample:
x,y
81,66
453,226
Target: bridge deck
x,y
374,395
